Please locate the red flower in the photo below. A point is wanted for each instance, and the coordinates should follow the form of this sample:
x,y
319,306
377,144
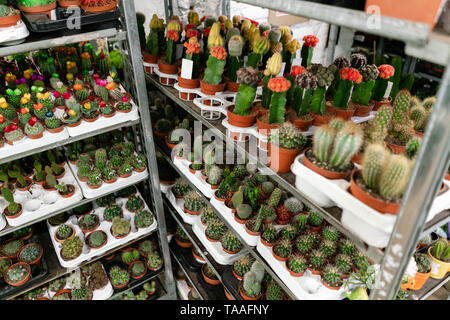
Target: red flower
x,y
218,52
91,98
66,95
56,94
266,33
13,126
297,70
206,32
203,19
192,33
2,118
102,104
193,46
7,129
310,40
351,74
188,27
386,71
173,35
279,84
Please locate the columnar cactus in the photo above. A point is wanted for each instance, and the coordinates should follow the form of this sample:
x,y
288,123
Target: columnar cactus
x,y
279,86
420,116
386,72
377,128
441,250
215,65
374,160
252,280
275,198
413,147
348,77
309,43
260,47
401,127
362,92
248,78
395,177
235,46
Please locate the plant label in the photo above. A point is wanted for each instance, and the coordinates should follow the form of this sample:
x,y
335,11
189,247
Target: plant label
x,y
283,65
186,68
179,53
388,90
245,60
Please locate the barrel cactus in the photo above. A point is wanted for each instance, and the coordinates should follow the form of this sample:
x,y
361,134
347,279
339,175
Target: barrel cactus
x,y
243,265
231,243
193,202
215,230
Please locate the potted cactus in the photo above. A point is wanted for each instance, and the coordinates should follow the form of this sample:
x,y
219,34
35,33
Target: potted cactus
x,y
212,80
137,269
285,144
269,235
106,109
273,68
234,63
362,93
382,180
254,226
120,227
439,254
181,188
193,203
98,6
119,277
65,190
193,53
154,261
72,117
89,111
36,6
18,274
11,248
13,210
423,263
181,238
230,243
243,213
214,177
316,262
52,123
251,287
209,276
206,215
379,93
282,250
124,105
331,277
8,16
169,64
296,265
71,248
96,239
242,266
340,104
260,47
33,128
215,230
134,204
13,133
31,253
153,43
64,232
326,157
307,52
241,114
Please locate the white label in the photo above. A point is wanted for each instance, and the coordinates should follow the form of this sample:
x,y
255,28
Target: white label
x,y
186,68
388,90
283,65
245,60
53,15
179,53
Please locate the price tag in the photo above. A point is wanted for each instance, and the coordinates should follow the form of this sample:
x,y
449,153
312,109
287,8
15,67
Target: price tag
x,y
179,53
186,68
245,60
283,65
388,90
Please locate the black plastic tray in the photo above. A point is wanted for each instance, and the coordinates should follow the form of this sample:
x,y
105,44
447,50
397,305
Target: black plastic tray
x,y
231,283
88,21
38,273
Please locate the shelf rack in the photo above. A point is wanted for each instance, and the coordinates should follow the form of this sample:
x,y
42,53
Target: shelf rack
x,y
127,36
433,158
190,276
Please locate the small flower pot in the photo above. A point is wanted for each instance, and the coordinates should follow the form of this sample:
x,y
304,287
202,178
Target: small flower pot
x,y
161,134
62,240
320,119
213,186
362,110
66,4
328,286
276,256
213,282
211,89
119,286
192,170
62,291
375,203
39,9
239,220
130,267
9,21
91,119
211,239
294,274
110,181
14,216
217,198
316,272
251,232
150,58
73,125
439,268
233,86
36,136
382,103
264,127
188,83
266,243
227,203
344,114
56,130
35,261
303,125
156,268
101,246
198,257
170,145
26,188
94,187
183,244
236,275
323,172
241,121
124,176
193,213
98,9
109,115
280,159
245,297
396,148
24,280
229,251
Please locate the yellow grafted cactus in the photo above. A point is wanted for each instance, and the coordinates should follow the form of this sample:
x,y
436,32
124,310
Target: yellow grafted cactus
x,y
193,18
236,20
215,41
245,28
273,65
253,37
285,30
156,23
174,17
228,24
286,38
215,29
292,46
261,45
223,18
174,25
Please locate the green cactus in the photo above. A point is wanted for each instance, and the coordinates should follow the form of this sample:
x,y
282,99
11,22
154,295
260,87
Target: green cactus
x,y
331,233
252,280
181,187
215,175
395,177
13,207
9,112
441,250
275,198
287,136
328,248
214,70
268,212
413,147
112,210
120,227
347,247
423,262
288,233
396,78
230,242
248,79
207,214
317,259
314,219
216,229
33,129
193,202
134,204
300,222
152,45
274,291
277,108
297,264
361,261
323,142
331,276
283,248
143,219
347,142
97,238
303,245
235,45
244,211
420,116
377,128
71,248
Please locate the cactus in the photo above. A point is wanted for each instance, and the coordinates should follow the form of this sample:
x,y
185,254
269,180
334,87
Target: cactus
x,y
287,136
207,215
413,147
13,133
441,250
428,103
377,128
394,177
297,264
269,233
193,202
260,47
181,187
279,86
235,46
331,276
385,73
244,211
215,175
267,187
317,259
362,92
215,65
344,263
396,78
275,198
120,227
13,207
248,79
348,76
288,233
314,219
230,242
33,127
252,280
283,248
243,265
328,248
134,204
51,121
215,230
423,262
71,248
310,41
274,292
7,110
374,160
358,60
360,261
73,115
347,247
419,115
303,245
330,233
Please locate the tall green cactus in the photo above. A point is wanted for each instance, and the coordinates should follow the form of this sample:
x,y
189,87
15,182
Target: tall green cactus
x,y
235,46
323,142
347,142
363,92
170,52
152,45
374,161
214,69
401,127
318,101
395,177
419,116
266,93
376,129
277,107
342,94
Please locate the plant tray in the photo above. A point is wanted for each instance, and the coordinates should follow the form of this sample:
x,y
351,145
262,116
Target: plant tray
x,y
186,257
196,178
215,248
178,204
231,283
38,273
88,254
37,202
41,23
370,225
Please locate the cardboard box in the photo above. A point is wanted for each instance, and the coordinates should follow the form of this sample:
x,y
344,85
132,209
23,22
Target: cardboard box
x,y
279,18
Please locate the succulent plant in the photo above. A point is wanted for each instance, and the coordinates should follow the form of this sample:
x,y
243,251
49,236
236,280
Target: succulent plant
x,y
120,227
328,248
71,248
303,244
297,264
317,259
274,291
193,202
252,280
125,169
244,211
154,260
134,204
30,253
288,233
361,261
287,136
216,229
275,198
377,128
331,276
293,205
130,256
17,273
143,219
330,233
269,233
283,248
344,263
88,221
83,293
423,262
268,213
242,265
324,75
347,247
13,207
441,250
401,128
97,239
314,219
358,60
230,242
57,284
207,214
118,276
105,201
11,248
138,268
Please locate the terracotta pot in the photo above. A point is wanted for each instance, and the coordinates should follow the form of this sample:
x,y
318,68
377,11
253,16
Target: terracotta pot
x,y
166,182
110,181
188,83
213,186
230,252
92,228
233,86
15,215
167,68
213,282
396,148
236,275
105,8
303,125
192,170
35,261
37,136
294,274
9,21
150,58
94,187
267,244
276,256
344,114
197,256
227,202
328,286
62,174
217,198
240,121
95,248
211,239
239,220
245,297
264,128
66,4
362,110
357,158
211,89
111,114
280,159
73,125
62,240
17,253
194,213
60,292
131,266
27,187
321,119
91,120
376,204
183,244
24,280
124,176
39,9
251,232
313,271
160,134
419,134
384,102
228,295
57,130
324,173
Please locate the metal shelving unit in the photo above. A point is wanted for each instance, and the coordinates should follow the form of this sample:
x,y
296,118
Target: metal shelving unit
x,y
128,38
432,160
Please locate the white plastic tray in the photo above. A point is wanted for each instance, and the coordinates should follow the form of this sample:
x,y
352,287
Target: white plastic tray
x,y
306,287
37,202
106,188
226,213
13,35
196,178
27,144
105,226
183,289
215,248
370,225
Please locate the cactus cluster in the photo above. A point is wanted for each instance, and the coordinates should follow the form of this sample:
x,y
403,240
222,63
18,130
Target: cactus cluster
x,y
181,187
193,202
441,250
377,128
328,248
423,262
401,128
287,136
253,279
71,248
120,227
230,242
324,75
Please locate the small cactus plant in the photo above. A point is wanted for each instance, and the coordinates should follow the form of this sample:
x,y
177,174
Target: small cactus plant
x,y
274,291
283,249
269,233
207,214
441,250
347,247
303,245
344,263
330,233
294,205
331,276
252,280
215,230
423,262
328,248
314,219
120,227
231,243
317,260
193,202
243,265
297,264
288,233
244,211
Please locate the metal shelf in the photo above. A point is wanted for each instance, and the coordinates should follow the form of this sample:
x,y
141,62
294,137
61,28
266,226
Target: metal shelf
x,y
439,220
39,42
192,277
430,287
8,229
187,228
68,141
285,180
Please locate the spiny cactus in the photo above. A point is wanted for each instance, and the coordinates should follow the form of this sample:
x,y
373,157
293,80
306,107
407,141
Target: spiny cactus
x,y
328,248
423,262
275,198
230,242
429,102
347,247
243,265
330,233
287,136
207,214
215,175
331,276
120,227
288,233
267,187
347,142
401,127
324,75
269,233
216,229
252,280
293,205
377,128
300,222
303,245
413,147
297,264
314,219
360,260
395,177
420,116
317,259
358,60
181,187
193,202
441,250
283,248
323,142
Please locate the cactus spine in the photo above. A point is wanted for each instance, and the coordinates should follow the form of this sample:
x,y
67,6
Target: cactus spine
x,y
323,142
394,177
374,161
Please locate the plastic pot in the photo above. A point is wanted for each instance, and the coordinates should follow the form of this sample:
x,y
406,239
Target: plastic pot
x,y
280,159
240,121
323,172
211,89
438,268
98,9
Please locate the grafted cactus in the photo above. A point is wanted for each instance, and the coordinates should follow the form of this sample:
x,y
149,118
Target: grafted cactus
x,y
248,78
215,65
235,46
